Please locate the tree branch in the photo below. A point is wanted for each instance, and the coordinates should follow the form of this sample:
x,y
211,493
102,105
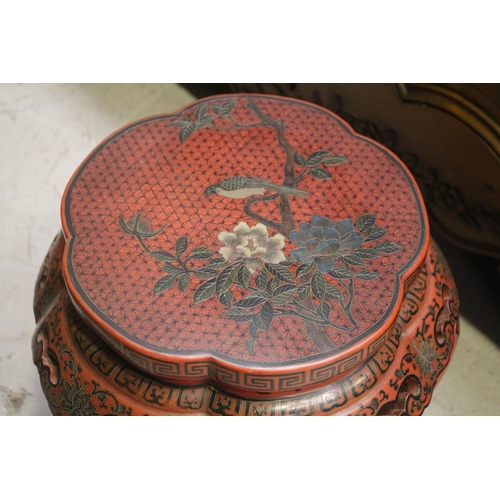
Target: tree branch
x,y
277,226
141,241
347,307
282,141
288,222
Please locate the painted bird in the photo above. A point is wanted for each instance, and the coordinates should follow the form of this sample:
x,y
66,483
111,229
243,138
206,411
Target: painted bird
x,y
241,186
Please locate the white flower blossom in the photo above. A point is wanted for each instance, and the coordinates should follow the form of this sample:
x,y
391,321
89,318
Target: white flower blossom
x,y
252,245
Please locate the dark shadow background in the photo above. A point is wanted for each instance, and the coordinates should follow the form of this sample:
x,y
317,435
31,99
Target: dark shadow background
x,y
477,277
478,282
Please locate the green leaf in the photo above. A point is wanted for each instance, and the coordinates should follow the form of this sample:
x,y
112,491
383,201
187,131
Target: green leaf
x,y
181,245
283,294
340,272
272,284
253,329
303,269
186,131
251,345
366,275
316,158
172,270
206,120
227,107
204,273
365,221
244,276
318,285
299,159
204,291
352,260
324,309
226,298
335,160
387,247
333,293
163,256
280,272
200,253
184,282
320,173
181,123
217,263
164,284
262,278
374,233
303,292
266,316
366,253
201,111
256,322
252,300
226,278
240,315
217,108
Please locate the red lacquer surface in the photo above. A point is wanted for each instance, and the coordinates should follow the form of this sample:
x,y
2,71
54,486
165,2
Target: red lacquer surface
x,y
143,239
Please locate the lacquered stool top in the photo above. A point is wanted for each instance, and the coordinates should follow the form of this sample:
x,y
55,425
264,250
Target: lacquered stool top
x,y
256,243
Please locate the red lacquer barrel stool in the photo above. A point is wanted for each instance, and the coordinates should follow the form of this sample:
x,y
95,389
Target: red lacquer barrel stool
x,y
248,255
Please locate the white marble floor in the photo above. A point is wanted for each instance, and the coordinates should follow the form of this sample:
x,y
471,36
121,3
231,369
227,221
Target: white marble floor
x,y
46,130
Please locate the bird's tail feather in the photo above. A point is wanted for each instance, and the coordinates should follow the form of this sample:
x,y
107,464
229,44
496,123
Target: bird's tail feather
x,y
292,191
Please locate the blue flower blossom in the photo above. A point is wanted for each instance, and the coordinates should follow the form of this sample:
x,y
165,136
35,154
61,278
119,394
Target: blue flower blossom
x,y
324,241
